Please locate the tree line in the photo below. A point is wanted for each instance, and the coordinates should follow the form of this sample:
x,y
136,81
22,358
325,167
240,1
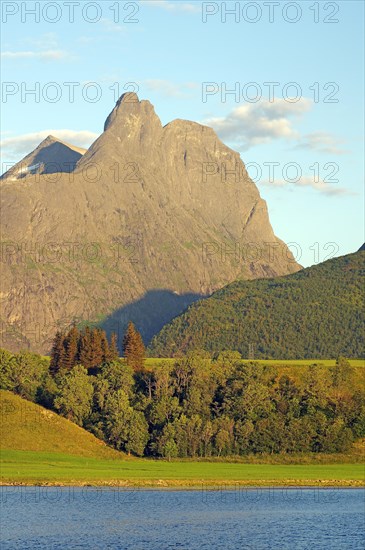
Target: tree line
x,y
195,406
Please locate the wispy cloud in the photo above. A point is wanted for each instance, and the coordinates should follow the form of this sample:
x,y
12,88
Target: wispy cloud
x,y
177,6
169,88
108,25
45,47
45,55
46,41
322,142
255,123
309,181
85,39
22,145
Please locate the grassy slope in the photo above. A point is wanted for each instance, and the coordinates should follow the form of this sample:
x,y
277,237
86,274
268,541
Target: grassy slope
x,y
317,312
39,447
26,426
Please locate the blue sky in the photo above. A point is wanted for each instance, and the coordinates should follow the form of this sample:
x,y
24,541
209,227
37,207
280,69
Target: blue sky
x,y
181,55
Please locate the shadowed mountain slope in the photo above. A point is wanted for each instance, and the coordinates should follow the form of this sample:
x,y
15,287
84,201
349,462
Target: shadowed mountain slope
x,y
50,157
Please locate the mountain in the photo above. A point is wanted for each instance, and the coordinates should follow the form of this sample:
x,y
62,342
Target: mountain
x,y
315,313
150,220
51,156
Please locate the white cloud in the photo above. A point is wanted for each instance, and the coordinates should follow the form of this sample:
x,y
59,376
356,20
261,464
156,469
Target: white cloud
x,y
322,142
175,6
46,55
309,182
23,145
255,123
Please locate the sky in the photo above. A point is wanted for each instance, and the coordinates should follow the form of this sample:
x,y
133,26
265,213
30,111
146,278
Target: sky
x,y
280,82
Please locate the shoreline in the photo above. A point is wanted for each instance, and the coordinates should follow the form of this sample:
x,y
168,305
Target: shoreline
x,y
194,485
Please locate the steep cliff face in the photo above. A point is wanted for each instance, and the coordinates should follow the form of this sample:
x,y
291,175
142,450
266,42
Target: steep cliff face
x,y
150,219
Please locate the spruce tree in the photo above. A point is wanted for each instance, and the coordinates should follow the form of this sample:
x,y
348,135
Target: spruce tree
x,y
113,348
86,352
133,347
57,353
104,344
97,352
71,349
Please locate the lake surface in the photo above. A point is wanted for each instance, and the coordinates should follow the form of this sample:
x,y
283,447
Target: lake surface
x,y
132,519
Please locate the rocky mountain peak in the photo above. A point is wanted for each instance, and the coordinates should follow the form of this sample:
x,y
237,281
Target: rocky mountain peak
x,y
129,110
170,213
51,156
49,139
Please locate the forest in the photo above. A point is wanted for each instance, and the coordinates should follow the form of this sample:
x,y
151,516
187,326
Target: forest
x,y
317,312
198,405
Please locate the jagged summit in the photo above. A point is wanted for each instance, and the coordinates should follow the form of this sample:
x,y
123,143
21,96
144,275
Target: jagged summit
x,y
129,107
159,217
132,129
129,97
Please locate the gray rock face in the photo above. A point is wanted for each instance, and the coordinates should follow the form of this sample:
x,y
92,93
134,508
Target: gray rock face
x,y
51,156
151,219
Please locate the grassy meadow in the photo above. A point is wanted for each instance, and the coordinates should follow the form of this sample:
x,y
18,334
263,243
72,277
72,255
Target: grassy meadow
x,y
42,468
151,362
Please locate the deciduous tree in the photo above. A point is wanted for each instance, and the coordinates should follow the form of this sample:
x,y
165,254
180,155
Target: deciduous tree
x,y
75,395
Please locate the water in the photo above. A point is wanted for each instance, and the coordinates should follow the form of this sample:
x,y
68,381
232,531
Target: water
x,y
248,519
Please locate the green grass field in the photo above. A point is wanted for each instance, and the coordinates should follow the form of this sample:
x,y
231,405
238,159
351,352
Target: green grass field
x,y
151,362
37,468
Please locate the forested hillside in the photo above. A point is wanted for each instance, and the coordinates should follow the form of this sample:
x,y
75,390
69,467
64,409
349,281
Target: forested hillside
x,y
315,313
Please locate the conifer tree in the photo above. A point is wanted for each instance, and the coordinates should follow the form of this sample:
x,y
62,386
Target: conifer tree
x,y
97,352
86,352
71,349
113,348
57,353
104,344
133,347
